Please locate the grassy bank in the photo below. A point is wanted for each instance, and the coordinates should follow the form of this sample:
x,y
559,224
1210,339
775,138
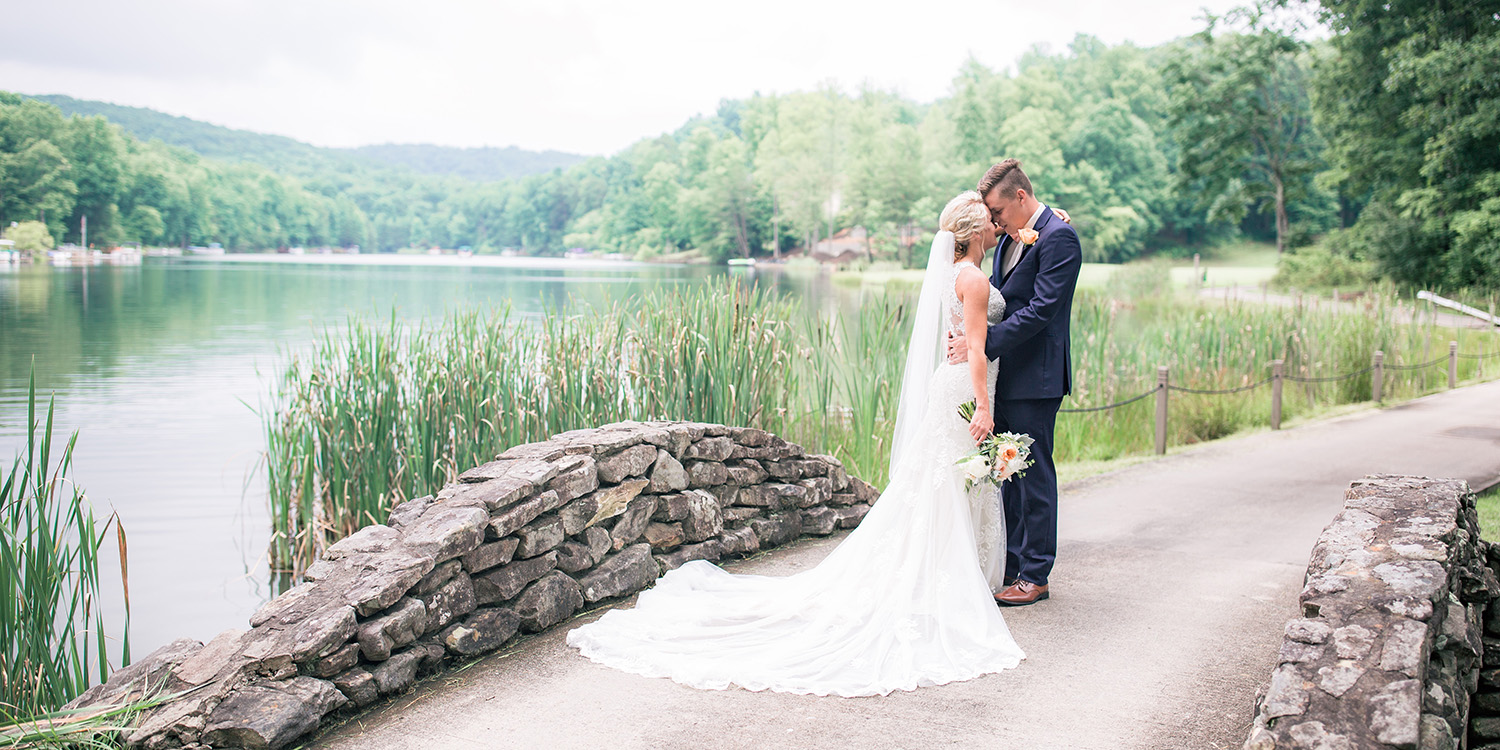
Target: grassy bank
x,y
379,412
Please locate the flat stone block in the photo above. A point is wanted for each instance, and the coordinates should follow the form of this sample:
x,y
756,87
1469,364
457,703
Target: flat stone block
x,y
446,533
490,555
485,630
455,599
626,572
778,529
358,686
507,581
851,516
511,520
664,536
704,520
271,715
710,449
741,541
574,557
579,477
629,526
397,627
819,521
539,536
396,673
634,461
667,475
548,601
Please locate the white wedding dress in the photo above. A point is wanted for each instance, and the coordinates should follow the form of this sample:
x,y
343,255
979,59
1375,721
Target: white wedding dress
x,y
904,601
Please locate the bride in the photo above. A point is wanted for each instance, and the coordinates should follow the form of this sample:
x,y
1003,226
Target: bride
x,y
905,600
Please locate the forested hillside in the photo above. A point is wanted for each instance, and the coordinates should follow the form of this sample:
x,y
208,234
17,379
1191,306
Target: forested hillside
x,y
1383,140
213,141
303,160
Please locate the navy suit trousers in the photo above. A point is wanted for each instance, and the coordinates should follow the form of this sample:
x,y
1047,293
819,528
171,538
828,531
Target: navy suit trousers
x,y
1031,501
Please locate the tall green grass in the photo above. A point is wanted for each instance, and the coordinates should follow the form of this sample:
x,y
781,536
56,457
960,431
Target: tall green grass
x,y
53,642
1121,335
379,413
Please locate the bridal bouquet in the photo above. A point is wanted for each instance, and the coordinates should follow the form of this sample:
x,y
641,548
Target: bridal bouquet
x,y
997,458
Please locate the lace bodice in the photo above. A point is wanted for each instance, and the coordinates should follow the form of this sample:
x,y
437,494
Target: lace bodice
x,y
955,308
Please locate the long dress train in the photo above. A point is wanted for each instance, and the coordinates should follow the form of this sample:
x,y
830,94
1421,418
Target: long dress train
x,y
904,601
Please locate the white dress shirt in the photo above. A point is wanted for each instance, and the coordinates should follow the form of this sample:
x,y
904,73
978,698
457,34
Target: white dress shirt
x,y
1013,250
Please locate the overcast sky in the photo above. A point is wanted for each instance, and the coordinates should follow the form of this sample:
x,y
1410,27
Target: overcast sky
x,y
588,76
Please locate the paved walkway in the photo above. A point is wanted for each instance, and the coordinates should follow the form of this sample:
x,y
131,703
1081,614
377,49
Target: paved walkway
x,y
1174,581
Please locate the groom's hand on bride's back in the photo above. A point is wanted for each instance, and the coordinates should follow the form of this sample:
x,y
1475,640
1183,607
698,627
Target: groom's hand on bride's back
x,y
958,351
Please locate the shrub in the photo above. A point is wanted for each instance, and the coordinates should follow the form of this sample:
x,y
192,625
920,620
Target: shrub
x,y
1321,268
30,236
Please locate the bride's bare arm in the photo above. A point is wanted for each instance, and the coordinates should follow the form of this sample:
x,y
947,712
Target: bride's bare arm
x,y
973,290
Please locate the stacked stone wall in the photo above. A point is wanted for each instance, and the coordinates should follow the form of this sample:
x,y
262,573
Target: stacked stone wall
x,y
517,545
1391,647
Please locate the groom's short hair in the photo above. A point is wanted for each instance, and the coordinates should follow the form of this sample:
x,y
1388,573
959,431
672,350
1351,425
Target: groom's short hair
x,y
1007,176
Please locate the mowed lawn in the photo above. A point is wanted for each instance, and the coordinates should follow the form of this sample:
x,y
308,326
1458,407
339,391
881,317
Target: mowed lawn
x,y
1241,263
1234,264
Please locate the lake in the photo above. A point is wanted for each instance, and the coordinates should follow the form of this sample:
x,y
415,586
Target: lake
x,y
160,368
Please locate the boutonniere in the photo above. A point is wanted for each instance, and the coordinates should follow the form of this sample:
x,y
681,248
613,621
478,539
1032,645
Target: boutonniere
x,y
1027,236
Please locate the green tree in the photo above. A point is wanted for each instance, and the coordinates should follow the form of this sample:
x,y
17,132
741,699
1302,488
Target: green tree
x,y
29,236
1242,119
885,171
802,159
144,225
95,154
34,173
1408,96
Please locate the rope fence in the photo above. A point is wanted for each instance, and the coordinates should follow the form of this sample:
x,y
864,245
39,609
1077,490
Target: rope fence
x,y
1107,407
1377,369
1222,391
1412,368
1329,378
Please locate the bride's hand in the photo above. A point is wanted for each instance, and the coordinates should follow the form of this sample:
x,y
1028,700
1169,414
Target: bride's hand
x,y
1061,214
981,425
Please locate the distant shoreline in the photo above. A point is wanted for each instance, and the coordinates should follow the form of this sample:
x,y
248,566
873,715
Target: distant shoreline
x,y
404,259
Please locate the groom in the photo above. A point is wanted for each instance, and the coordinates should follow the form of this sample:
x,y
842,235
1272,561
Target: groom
x,y
1036,269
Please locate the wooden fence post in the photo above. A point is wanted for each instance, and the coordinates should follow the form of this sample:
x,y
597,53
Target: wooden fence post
x,y
1277,368
1161,411
1452,364
1377,376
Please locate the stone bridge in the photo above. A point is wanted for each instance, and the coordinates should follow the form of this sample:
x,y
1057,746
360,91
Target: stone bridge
x,y
515,546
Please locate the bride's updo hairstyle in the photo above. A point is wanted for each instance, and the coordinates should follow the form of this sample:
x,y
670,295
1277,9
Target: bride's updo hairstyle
x,y
964,216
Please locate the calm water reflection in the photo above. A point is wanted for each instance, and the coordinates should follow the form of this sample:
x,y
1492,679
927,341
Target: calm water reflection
x,y
160,367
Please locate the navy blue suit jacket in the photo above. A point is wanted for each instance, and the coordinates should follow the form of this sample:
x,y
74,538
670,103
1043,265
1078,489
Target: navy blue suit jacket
x,y
1032,339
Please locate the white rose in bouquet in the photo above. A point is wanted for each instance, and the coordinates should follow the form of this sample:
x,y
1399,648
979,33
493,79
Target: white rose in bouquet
x,y
1015,465
975,467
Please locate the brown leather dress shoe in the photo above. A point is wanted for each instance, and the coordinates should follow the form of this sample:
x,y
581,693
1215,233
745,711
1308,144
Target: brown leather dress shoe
x,y
1021,594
